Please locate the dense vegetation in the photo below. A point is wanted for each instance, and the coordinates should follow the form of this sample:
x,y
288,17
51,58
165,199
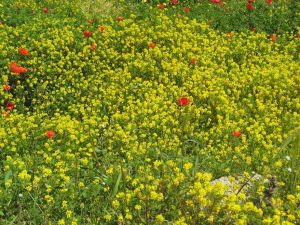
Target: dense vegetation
x,y
130,119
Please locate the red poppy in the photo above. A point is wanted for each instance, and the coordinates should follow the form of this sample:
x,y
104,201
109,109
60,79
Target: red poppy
x,y
93,47
268,2
151,45
161,6
236,133
174,2
50,134
179,15
45,10
102,28
87,33
10,106
187,9
17,69
249,7
193,61
22,70
215,1
120,18
23,51
273,37
13,66
7,87
183,101
89,21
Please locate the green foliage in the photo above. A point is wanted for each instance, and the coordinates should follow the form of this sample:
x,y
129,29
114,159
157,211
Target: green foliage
x,y
232,15
132,123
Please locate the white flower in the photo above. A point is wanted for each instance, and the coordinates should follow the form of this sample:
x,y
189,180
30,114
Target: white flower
x,y
288,158
289,169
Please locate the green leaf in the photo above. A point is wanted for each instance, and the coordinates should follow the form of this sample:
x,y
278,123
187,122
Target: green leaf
x,y
8,175
195,166
116,188
13,220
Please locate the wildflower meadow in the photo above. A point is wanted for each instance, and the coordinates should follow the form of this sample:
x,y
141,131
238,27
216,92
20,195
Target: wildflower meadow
x,y
149,112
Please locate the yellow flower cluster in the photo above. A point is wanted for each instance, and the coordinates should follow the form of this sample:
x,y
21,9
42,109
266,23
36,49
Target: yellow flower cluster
x,y
130,123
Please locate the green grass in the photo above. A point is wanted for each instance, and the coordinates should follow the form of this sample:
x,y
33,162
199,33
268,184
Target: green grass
x,y
104,8
278,17
124,150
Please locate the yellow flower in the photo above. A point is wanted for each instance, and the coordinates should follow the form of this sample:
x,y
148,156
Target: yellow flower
x,y
23,175
187,166
28,188
47,172
48,198
138,207
115,204
159,219
108,217
68,213
64,204
61,222
8,183
278,164
81,184
74,222
128,216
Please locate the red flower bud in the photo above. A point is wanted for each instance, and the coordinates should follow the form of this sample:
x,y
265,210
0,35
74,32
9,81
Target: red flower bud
x,y
250,7
236,133
183,101
187,9
93,47
87,33
151,45
193,61
174,2
10,106
268,2
102,28
161,6
17,69
273,37
7,87
50,134
23,51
